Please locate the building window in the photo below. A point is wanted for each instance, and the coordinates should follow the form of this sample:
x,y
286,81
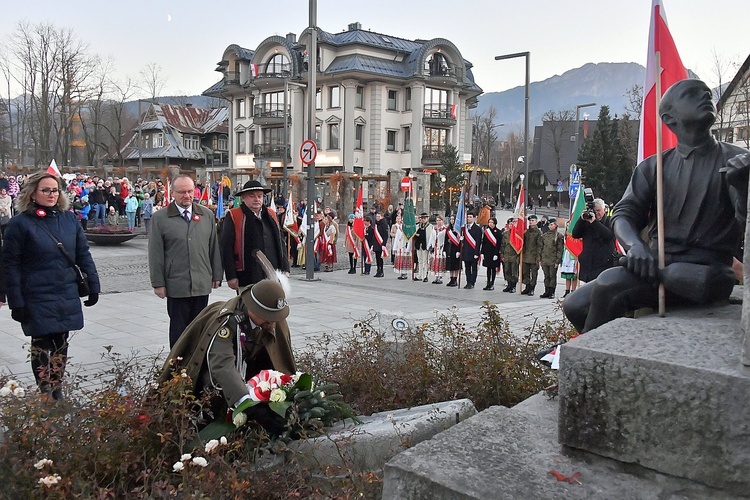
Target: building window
x,y
191,142
359,133
407,138
359,97
334,97
158,140
333,136
318,99
741,107
317,135
392,100
391,141
240,109
407,99
436,103
223,143
251,140
278,65
241,146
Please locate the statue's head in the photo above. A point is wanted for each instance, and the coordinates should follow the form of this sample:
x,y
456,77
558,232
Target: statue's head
x,y
687,105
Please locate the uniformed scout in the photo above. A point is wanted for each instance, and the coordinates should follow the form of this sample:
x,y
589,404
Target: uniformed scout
x,y
553,244
230,342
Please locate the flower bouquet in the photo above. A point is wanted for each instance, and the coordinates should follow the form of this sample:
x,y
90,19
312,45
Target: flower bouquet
x,y
295,404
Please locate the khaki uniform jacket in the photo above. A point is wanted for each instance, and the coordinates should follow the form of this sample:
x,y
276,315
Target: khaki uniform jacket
x,y
510,255
182,257
532,245
553,244
212,355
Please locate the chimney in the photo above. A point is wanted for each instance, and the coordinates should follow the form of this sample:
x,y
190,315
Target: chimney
x,y
355,26
291,38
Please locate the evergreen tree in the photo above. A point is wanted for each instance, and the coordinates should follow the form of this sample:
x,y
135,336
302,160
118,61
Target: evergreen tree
x,y
450,167
605,162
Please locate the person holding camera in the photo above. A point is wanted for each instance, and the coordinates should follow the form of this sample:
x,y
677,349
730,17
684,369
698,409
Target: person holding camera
x,y
595,229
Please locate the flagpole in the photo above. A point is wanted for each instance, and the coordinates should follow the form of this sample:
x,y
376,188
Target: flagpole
x,y
660,188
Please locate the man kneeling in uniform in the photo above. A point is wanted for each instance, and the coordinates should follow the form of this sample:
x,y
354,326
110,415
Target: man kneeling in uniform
x,y
230,342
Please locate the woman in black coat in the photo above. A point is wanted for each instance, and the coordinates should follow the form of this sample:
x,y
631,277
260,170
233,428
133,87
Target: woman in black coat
x,y
492,239
41,283
452,253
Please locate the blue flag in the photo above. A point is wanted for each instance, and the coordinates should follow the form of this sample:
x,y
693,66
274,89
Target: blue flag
x,y
460,215
220,201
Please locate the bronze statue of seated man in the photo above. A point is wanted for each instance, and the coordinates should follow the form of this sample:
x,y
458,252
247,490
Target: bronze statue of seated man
x,y
705,199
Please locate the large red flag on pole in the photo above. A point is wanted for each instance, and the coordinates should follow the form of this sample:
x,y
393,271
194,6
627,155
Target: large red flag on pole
x,y
359,224
672,70
519,225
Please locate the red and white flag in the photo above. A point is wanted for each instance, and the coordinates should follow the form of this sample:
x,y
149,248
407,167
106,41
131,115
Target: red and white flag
x,y
359,214
289,219
52,169
254,70
519,225
671,70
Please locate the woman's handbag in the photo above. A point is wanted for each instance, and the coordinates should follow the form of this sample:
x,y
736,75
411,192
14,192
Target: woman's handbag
x,y
82,279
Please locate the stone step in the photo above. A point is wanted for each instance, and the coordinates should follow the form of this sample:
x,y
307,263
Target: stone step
x,y
670,394
510,453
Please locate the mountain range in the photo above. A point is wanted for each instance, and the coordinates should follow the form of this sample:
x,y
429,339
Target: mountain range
x,y
601,83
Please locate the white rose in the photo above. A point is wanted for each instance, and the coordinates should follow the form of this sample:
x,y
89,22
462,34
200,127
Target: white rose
x,y
223,440
239,419
19,392
5,391
264,386
50,480
200,461
322,394
40,464
178,466
211,446
186,456
12,384
277,395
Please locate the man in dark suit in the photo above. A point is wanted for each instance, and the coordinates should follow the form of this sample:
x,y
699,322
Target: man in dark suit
x,y
472,238
380,233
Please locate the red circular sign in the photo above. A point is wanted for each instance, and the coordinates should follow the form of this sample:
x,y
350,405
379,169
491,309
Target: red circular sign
x,y
405,184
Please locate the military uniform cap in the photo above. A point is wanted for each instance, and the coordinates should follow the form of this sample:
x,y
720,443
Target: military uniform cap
x,y
266,299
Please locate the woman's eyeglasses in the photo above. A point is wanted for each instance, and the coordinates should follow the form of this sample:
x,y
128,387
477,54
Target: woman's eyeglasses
x,y
48,191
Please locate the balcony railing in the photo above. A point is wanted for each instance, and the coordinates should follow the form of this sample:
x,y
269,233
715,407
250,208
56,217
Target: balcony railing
x,y
232,77
270,151
442,72
274,71
438,114
270,114
431,154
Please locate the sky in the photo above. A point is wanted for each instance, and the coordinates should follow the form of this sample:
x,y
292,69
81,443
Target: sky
x,y
186,38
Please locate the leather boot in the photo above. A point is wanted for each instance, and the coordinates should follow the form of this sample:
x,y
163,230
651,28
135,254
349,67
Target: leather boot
x,y
531,291
487,286
452,282
508,287
525,290
551,293
567,292
545,295
512,287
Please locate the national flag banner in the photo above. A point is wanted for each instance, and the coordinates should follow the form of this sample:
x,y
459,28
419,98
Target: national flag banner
x,y
359,217
167,192
254,70
518,227
203,200
460,214
671,70
289,219
410,219
575,245
272,205
454,108
220,201
303,228
52,169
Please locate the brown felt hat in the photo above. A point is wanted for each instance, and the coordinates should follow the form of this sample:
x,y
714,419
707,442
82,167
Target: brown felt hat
x,y
266,299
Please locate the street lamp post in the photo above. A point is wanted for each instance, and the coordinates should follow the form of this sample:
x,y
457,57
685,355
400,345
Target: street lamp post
x,y
312,69
527,55
490,128
286,137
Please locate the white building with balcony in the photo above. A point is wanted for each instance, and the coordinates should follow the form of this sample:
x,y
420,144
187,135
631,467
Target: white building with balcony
x,y
384,105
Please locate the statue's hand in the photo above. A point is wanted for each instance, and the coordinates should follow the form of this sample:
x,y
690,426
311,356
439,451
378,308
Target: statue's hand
x,y
641,263
737,171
